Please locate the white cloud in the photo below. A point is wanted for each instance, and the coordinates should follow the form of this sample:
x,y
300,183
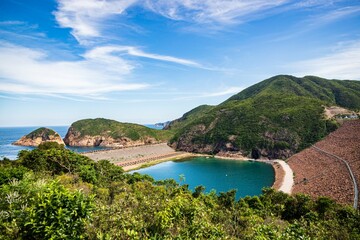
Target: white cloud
x,y
88,18
85,17
133,51
23,70
342,63
102,70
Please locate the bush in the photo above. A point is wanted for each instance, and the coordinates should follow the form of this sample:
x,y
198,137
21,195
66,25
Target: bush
x,y
10,172
57,213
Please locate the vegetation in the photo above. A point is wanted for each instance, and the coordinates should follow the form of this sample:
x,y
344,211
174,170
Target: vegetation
x,y
42,132
115,129
52,193
274,118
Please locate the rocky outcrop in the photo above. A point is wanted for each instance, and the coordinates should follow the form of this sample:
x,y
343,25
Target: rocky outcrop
x,y
188,143
275,145
77,139
40,135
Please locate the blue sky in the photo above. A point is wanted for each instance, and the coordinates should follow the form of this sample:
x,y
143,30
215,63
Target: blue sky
x,y
148,61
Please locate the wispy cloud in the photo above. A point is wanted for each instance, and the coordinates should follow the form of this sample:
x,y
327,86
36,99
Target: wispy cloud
x,y
101,70
24,70
12,23
223,92
333,15
99,52
205,11
314,3
342,63
86,18
316,22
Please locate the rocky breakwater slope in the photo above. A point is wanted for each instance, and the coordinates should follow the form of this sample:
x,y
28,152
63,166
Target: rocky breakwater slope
x,y
110,133
320,174
40,135
273,119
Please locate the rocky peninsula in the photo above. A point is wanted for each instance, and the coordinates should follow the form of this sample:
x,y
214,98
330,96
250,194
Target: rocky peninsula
x,y
38,136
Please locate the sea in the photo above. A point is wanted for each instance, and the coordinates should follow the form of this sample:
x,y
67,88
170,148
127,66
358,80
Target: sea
x,y
8,135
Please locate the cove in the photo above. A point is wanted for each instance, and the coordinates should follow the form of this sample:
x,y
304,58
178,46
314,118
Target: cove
x,y
247,177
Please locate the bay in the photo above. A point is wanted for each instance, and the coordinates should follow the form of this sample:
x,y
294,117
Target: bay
x,y
247,177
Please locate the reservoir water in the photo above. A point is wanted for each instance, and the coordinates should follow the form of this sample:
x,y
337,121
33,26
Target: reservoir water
x,y
247,177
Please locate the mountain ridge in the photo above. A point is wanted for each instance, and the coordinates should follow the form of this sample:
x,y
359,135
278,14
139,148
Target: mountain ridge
x,y
274,118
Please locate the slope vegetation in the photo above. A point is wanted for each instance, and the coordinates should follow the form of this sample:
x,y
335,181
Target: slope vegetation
x,y
274,118
110,133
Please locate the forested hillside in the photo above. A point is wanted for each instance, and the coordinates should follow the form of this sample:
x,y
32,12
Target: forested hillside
x,y
274,118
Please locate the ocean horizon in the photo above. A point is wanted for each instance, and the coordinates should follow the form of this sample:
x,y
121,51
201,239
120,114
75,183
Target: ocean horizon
x,y
8,135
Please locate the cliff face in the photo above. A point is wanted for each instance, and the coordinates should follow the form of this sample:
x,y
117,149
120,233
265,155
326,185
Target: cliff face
x,y
109,133
196,140
40,135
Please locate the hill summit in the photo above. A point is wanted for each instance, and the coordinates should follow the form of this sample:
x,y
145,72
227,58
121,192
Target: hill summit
x,y
274,118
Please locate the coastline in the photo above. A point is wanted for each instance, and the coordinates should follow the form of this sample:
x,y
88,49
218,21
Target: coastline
x,y
137,157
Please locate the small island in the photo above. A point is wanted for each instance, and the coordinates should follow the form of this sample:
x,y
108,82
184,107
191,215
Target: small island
x,y
38,136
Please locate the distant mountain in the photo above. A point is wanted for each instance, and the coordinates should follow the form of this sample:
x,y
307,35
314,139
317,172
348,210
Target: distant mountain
x,y
274,118
111,133
38,136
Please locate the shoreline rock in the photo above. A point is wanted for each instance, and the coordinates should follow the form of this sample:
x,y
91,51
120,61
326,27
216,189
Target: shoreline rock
x,y
38,136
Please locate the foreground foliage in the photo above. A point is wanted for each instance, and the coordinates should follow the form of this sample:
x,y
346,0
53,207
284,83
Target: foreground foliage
x,y
56,194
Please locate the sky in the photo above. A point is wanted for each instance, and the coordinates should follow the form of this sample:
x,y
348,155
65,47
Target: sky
x,y
148,61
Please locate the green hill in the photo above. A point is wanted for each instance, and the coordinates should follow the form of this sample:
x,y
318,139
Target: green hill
x,y
274,118
106,132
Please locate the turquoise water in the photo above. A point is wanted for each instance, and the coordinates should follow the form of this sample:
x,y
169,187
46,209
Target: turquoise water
x,y
248,178
8,135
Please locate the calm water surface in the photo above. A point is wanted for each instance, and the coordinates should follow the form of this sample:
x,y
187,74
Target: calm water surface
x,y
248,178
8,135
